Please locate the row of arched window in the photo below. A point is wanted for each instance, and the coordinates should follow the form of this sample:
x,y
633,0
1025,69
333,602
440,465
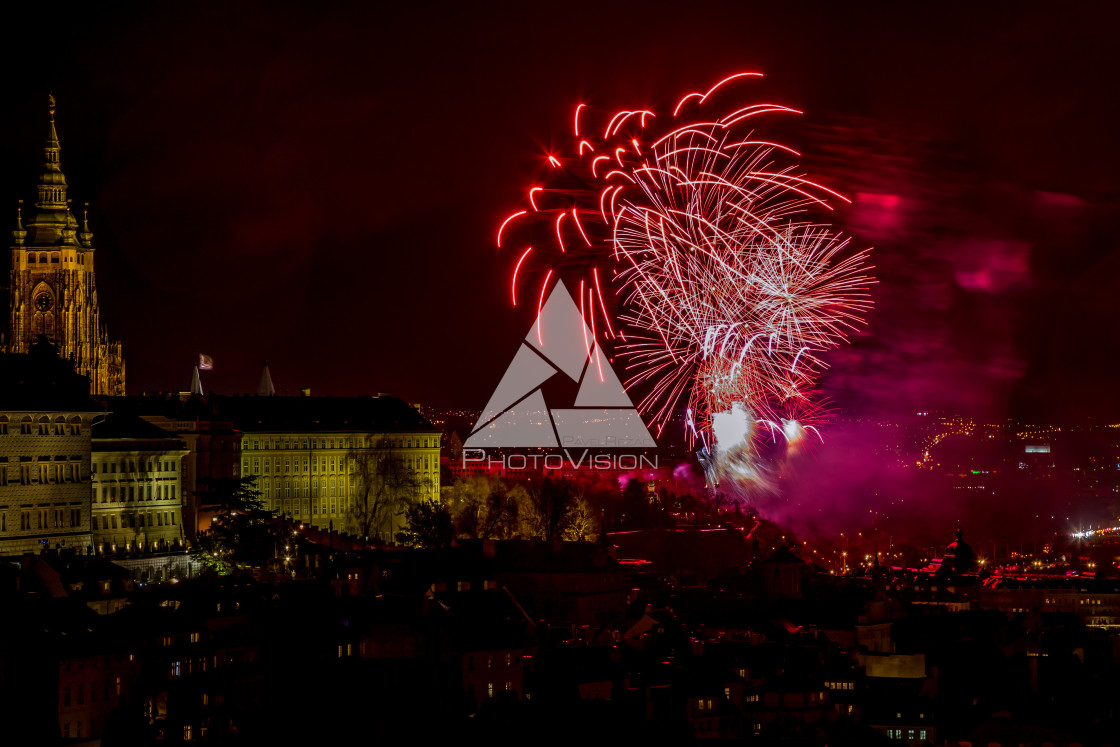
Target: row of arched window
x,y
52,194
44,426
53,258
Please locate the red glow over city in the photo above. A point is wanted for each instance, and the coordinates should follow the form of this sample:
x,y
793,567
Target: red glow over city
x,y
832,459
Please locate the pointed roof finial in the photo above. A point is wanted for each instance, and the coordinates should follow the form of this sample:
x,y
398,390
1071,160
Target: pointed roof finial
x,y
19,234
52,134
264,386
85,235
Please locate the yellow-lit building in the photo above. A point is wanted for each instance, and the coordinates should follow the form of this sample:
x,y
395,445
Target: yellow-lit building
x,y
212,446
309,456
45,421
52,290
137,494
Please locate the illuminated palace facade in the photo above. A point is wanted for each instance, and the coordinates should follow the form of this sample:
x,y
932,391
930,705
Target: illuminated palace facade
x,y
310,458
311,476
52,290
303,451
137,492
46,417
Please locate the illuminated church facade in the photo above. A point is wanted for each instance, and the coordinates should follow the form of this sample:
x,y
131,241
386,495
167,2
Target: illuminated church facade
x,y
52,287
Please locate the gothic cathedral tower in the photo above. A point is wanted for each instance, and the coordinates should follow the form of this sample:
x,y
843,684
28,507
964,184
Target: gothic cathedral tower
x,y
52,289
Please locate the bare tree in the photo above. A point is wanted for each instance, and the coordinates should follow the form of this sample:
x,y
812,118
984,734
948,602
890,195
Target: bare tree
x,y
553,507
454,447
485,507
428,525
584,519
383,486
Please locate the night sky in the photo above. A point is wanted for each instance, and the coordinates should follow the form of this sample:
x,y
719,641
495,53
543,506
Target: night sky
x,y
321,187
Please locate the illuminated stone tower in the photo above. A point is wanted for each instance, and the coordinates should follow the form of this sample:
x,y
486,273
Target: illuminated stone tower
x,y
53,291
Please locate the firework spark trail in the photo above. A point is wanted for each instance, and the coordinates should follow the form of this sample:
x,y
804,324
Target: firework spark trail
x,y
729,289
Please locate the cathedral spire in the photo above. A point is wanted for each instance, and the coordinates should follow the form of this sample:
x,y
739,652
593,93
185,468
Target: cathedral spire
x,y
51,279
52,183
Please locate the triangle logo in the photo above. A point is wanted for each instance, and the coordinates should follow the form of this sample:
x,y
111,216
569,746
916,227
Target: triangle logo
x,y
559,343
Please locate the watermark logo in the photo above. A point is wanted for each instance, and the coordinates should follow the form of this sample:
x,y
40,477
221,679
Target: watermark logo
x,y
559,343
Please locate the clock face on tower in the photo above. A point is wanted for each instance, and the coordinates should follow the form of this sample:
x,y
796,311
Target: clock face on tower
x,y
43,302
